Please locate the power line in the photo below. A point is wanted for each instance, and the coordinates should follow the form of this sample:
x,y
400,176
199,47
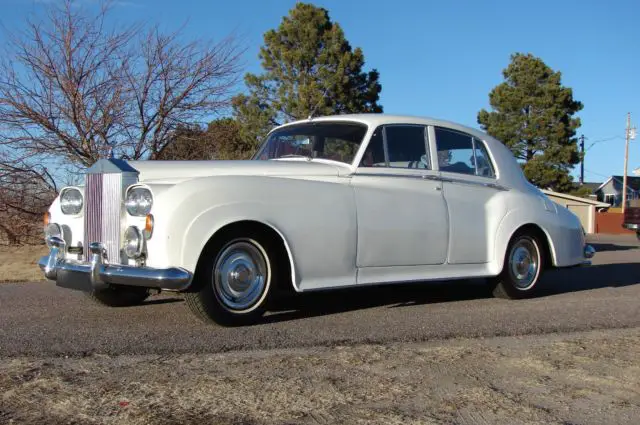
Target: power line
x,y
597,174
606,139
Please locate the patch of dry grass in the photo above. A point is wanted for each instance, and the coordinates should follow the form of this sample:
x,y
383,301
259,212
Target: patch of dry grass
x,y
534,380
20,263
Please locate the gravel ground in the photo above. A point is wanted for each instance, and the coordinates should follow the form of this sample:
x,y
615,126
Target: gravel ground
x,y
585,378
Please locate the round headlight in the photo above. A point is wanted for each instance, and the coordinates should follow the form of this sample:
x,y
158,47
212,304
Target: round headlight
x,y
132,242
71,201
139,201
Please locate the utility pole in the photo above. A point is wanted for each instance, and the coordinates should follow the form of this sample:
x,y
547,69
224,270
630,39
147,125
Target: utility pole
x,y
582,161
626,160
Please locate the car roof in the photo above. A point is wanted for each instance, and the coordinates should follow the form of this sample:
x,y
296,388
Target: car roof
x,y
376,119
509,171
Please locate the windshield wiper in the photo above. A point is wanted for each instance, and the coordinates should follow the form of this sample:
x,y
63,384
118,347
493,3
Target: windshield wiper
x,y
295,156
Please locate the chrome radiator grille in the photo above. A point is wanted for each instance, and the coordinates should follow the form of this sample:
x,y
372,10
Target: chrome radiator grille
x,y
103,209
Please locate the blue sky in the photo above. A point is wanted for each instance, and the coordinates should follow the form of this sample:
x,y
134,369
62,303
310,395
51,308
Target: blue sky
x,y
441,59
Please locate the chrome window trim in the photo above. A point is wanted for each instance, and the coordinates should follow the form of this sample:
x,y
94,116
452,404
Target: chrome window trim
x,y
487,154
357,156
385,146
473,140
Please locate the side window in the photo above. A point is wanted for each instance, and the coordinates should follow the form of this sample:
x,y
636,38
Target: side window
x,y
406,146
455,152
483,162
461,153
374,154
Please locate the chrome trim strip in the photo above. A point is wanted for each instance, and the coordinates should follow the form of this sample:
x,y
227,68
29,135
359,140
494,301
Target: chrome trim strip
x,y
463,181
98,275
630,226
433,178
406,176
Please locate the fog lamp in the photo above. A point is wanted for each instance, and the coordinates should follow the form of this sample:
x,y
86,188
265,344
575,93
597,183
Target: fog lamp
x,y
132,242
52,229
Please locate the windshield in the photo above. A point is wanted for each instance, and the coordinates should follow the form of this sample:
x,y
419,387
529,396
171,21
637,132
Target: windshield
x,y
337,141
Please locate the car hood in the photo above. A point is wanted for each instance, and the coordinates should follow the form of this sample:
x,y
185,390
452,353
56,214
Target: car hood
x,y
176,171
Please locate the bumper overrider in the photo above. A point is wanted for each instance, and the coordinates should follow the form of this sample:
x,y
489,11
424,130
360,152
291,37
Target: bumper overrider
x,y
589,252
98,274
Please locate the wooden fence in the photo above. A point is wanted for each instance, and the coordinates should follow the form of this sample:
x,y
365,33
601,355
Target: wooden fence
x,y
611,222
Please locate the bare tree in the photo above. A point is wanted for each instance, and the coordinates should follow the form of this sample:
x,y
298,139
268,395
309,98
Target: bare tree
x,y
71,88
25,193
220,140
73,91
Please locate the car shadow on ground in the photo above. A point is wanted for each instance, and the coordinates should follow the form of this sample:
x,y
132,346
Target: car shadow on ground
x,y
322,303
603,247
592,277
165,300
555,282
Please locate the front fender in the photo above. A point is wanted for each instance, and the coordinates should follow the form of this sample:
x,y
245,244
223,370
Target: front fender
x,y
316,219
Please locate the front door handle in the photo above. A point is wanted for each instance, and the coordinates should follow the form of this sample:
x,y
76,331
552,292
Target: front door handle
x,y
430,177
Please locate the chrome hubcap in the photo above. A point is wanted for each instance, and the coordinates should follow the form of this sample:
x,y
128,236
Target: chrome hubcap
x,y
523,263
240,275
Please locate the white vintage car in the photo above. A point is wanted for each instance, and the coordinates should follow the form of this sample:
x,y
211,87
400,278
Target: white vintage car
x,y
328,202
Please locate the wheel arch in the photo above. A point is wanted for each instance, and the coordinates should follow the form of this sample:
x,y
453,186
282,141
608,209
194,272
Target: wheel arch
x,y
544,237
509,227
232,228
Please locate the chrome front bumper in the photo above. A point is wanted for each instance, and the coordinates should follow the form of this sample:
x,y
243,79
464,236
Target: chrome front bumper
x,y
97,274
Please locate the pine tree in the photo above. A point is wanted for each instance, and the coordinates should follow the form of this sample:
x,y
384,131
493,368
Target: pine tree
x,y
533,115
309,68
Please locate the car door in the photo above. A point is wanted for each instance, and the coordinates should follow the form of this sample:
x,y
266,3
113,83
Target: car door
x,y
401,212
471,193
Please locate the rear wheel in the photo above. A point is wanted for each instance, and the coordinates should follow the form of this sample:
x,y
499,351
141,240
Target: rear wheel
x,y
234,280
119,296
638,235
522,268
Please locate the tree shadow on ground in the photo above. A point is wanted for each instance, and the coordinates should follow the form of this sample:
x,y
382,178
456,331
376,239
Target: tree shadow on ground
x,y
554,282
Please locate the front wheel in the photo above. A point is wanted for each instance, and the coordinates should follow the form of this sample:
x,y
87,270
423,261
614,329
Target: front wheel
x,y
638,235
522,268
234,281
